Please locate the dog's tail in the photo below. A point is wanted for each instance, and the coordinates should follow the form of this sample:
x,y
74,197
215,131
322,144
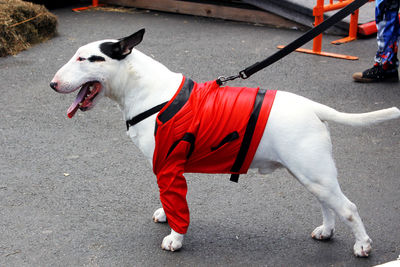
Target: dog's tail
x,y
326,113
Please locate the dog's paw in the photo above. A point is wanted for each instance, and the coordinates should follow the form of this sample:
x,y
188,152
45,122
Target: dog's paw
x,y
159,216
363,248
173,241
322,233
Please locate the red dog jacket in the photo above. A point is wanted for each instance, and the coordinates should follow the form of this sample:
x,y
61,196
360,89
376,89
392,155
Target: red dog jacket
x,y
205,128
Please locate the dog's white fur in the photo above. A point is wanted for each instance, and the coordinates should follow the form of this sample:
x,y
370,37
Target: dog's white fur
x,y
296,136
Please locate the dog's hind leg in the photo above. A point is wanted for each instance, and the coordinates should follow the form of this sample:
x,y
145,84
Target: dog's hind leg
x,y
347,211
296,138
327,229
324,185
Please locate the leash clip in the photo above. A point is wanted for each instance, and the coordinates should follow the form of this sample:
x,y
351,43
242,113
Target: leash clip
x,y
243,75
222,80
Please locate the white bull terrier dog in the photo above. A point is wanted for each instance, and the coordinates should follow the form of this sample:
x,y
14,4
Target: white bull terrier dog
x,y
296,136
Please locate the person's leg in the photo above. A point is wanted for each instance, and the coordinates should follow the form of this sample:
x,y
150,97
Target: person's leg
x,y
386,62
387,23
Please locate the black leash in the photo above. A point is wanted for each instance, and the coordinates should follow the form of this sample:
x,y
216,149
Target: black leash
x,y
308,36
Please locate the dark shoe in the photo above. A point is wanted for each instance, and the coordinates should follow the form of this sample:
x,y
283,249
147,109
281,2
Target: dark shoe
x,y
377,74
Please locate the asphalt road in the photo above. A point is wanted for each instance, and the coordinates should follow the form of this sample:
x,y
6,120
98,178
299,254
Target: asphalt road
x,y
76,192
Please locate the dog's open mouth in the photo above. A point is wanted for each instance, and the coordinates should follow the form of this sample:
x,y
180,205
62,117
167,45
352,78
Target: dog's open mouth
x,y
85,97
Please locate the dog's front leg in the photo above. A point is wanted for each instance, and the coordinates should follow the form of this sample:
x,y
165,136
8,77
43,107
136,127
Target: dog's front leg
x,y
173,241
173,190
159,216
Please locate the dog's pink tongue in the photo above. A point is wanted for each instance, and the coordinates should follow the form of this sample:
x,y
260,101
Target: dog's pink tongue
x,y
79,98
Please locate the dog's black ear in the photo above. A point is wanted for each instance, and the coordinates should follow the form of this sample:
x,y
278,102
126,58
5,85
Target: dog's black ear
x,y
123,47
128,43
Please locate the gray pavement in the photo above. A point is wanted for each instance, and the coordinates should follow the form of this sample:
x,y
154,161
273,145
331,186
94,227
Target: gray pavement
x,y
76,192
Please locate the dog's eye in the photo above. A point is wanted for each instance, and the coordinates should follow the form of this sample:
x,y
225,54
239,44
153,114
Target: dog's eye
x,y
81,59
96,58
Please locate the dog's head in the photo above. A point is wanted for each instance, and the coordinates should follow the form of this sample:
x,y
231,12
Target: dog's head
x,y
90,69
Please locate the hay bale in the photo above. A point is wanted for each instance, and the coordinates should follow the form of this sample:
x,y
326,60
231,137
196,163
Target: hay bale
x,y
23,24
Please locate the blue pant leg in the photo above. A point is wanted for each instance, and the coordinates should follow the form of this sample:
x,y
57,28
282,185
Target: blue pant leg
x,y
387,22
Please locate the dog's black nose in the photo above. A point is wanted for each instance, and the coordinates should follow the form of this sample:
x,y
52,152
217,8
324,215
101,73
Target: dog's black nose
x,y
53,85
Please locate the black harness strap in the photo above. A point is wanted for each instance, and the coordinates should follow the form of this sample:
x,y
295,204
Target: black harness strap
x,y
144,115
308,36
248,135
171,110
